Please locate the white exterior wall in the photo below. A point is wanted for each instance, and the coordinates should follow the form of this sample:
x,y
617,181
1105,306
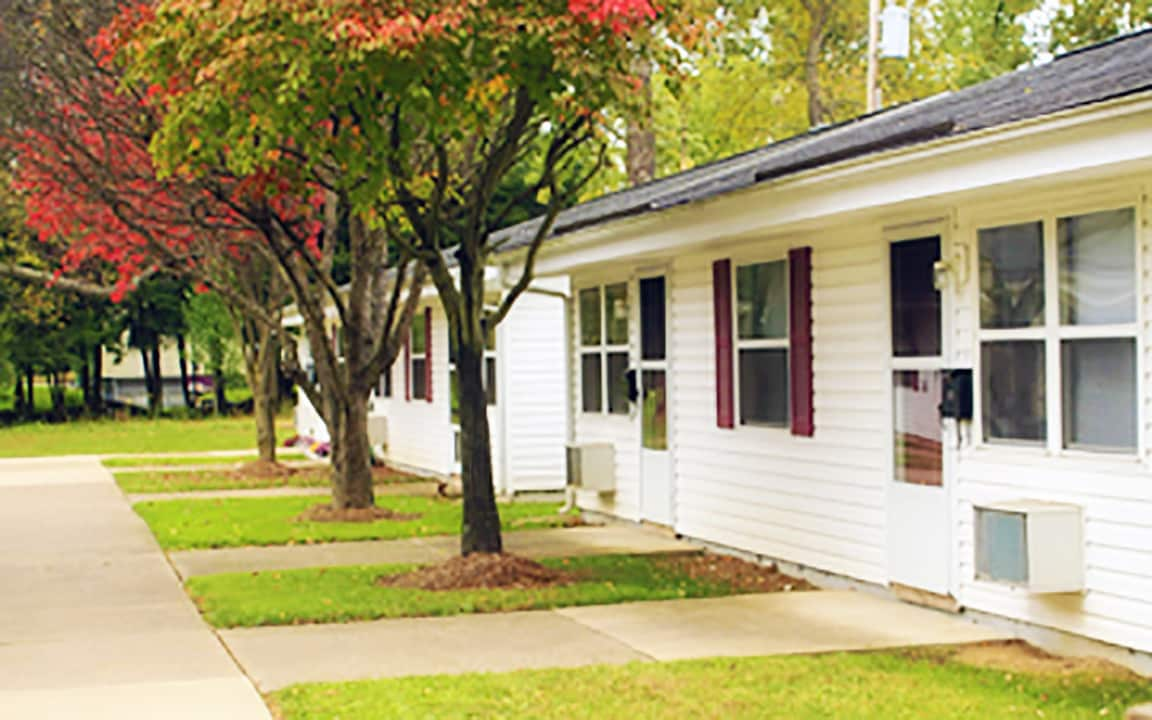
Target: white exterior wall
x,y
1115,492
822,501
530,388
420,434
815,501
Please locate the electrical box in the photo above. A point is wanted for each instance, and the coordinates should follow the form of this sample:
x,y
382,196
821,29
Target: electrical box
x,y
1034,545
592,466
895,32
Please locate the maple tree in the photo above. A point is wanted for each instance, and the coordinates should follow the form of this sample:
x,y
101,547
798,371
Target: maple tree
x,y
83,167
410,115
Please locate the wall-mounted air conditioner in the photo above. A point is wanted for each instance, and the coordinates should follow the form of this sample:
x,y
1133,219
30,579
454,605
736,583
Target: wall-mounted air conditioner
x,y
592,466
378,430
1038,546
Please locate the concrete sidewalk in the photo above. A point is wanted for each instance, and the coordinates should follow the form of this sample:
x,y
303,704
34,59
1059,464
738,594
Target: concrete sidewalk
x,y
93,621
566,542
406,488
784,623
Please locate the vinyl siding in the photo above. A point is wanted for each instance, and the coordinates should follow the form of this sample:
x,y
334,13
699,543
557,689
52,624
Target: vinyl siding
x,y
816,501
420,433
1114,493
530,367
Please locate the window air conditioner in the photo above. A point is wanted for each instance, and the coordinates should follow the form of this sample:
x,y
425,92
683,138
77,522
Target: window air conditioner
x,y
378,430
1038,546
592,466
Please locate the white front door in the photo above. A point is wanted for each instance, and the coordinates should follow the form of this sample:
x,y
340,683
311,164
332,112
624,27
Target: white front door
x,y
656,499
919,528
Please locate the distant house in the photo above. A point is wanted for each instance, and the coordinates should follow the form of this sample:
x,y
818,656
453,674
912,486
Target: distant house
x,y
124,377
911,350
413,407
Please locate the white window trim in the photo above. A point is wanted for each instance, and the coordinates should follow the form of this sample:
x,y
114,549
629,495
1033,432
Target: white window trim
x,y
739,344
1052,333
603,349
413,356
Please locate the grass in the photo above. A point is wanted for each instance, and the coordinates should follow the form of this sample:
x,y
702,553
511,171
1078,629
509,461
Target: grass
x,y
348,593
237,522
191,460
109,437
197,480
880,686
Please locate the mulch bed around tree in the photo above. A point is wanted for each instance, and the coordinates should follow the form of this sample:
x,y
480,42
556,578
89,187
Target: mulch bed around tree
x,y
264,469
481,571
741,575
327,513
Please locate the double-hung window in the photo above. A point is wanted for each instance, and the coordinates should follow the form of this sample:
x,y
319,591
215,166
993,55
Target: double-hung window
x,y
1058,337
604,349
762,343
419,356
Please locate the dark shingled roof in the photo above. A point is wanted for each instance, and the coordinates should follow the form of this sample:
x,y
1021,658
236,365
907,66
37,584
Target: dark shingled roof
x,y
1112,69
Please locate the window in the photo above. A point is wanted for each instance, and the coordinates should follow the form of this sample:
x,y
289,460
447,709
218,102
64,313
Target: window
x,y
604,349
419,359
762,343
1058,332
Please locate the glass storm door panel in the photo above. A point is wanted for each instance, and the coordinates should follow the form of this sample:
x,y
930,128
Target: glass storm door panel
x,y
656,499
918,528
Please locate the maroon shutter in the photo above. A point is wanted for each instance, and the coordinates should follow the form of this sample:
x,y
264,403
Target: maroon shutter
x,y
408,367
428,354
800,339
722,320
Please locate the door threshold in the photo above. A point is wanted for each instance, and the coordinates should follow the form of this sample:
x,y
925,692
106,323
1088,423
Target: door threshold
x,y
925,598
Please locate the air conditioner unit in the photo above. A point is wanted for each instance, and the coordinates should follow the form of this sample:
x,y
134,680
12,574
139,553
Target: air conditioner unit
x,y
378,430
592,466
1035,545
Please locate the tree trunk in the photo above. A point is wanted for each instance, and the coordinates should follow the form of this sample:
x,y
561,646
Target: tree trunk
x,y
182,352
21,405
156,392
30,378
641,139
97,406
351,455
481,528
818,18
265,394
86,383
218,387
56,393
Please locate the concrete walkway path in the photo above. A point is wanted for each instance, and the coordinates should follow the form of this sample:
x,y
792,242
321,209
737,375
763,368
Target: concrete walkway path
x,y
784,623
566,542
93,621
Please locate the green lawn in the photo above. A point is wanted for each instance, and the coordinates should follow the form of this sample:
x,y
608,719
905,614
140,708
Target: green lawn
x,y
177,461
879,686
342,594
108,437
236,522
194,480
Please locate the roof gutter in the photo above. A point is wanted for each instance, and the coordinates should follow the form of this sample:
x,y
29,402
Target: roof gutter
x,y
918,144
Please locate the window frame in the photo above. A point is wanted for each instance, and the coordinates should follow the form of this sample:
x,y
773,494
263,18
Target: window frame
x,y
413,356
1052,333
739,344
604,349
